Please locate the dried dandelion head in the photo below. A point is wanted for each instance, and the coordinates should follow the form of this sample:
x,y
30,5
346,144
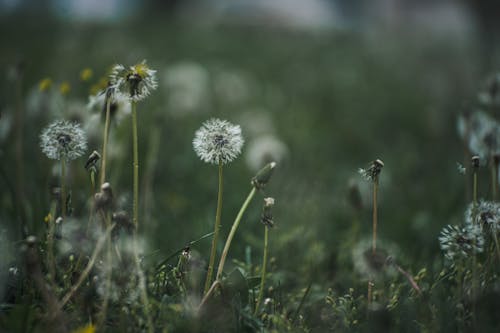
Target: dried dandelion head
x,y
218,141
485,214
63,140
136,81
373,171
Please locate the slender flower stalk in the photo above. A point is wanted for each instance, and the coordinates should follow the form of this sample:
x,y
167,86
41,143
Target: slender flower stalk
x,y
494,176
105,138
475,167
267,220
258,183
135,216
372,174
217,142
217,226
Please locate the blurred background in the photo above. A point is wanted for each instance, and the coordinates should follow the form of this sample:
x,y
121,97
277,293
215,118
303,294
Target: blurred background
x,y
322,87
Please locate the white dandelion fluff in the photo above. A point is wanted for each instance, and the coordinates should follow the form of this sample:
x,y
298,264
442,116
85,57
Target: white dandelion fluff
x,y
373,171
459,243
63,139
485,214
218,141
136,82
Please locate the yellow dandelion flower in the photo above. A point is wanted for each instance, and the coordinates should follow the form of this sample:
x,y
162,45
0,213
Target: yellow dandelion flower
x,y
85,329
47,218
86,74
45,84
64,88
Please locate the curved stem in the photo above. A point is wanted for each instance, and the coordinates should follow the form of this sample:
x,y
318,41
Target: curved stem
x,y
233,232
263,273
217,226
105,141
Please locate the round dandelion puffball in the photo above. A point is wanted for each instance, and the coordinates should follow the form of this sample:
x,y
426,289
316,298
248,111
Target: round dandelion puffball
x,y
218,141
63,139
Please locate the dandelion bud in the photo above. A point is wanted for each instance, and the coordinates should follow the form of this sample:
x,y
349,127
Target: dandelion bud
x,y
263,176
475,161
31,241
92,160
267,215
104,198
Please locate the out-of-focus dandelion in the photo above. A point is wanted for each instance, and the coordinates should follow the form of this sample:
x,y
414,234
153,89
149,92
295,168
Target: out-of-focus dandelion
x,y
263,150
460,243
64,88
490,95
218,141
63,140
373,266
136,81
45,84
461,169
86,74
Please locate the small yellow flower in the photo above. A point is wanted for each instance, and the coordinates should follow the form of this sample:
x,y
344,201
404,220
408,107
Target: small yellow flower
x,y
99,86
45,84
47,218
85,329
64,88
86,74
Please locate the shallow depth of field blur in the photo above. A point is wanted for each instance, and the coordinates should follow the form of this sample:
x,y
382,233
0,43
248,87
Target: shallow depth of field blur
x,y
328,86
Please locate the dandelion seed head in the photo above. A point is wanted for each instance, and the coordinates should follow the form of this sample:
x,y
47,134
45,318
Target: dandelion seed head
x,y
136,82
373,265
459,243
63,139
485,214
373,171
218,141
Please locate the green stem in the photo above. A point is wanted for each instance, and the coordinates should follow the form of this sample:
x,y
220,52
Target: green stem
x,y
497,246
63,188
135,166
50,244
263,273
105,140
143,290
474,187
109,272
217,226
374,240
233,231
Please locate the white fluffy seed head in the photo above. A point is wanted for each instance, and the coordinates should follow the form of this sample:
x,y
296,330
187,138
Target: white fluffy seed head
x,y
63,139
136,82
218,141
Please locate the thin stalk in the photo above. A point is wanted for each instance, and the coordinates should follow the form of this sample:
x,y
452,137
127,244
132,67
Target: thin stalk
x,y
375,220
474,187
497,246
233,231
89,266
143,290
263,273
109,272
50,244
135,166
105,140
217,226
493,179
63,188
19,126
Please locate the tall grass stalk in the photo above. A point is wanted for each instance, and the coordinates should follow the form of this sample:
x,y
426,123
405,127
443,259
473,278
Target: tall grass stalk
x,y
217,226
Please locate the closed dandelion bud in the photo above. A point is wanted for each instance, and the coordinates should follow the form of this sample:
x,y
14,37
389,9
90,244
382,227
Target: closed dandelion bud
x,y
104,199
91,163
31,241
263,176
373,171
267,215
475,161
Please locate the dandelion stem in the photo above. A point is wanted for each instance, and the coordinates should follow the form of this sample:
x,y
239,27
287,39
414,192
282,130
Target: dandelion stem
x,y
109,272
143,290
105,140
233,231
497,246
494,177
63,187
474,187
217,226
89,266
374,240
263,273
50,244
136,166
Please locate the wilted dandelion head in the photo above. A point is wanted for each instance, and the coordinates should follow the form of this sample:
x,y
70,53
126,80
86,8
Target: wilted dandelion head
x,y
373,171
485,214
63,139
459,243
136,81
218,141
